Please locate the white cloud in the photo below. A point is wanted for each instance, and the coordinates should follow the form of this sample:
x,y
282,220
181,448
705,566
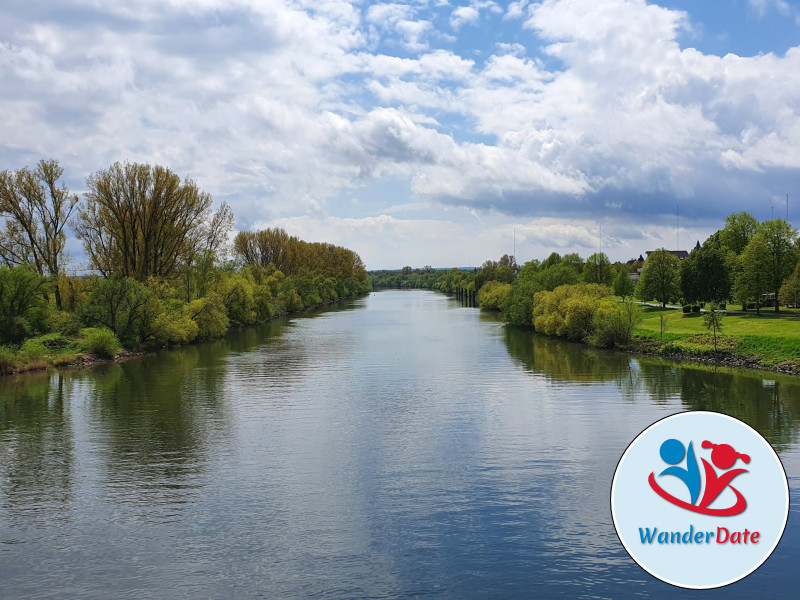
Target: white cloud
x,y
464,15
581,108
761,7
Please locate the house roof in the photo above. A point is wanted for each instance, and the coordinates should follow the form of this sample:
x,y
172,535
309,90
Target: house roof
x,y
681,254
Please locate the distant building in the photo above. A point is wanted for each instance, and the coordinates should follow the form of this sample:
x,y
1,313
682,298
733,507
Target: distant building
x,y
680,254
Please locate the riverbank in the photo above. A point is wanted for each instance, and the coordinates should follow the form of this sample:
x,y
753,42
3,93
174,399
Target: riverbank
x,y
55,351
766,342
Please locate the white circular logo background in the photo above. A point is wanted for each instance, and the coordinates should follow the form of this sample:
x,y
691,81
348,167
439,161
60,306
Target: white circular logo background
x,y
673,486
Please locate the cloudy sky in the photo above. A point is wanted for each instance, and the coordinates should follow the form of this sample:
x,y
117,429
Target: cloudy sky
x,y
429,131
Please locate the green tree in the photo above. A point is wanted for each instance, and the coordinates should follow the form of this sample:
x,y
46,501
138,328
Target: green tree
x,y
36,210
790,290
780,239
752,278
623,285
142,221
705,275
22,304
739,229
712,320
598,269
660,277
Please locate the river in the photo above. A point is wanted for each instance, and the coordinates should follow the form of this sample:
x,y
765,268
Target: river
x,y
393,446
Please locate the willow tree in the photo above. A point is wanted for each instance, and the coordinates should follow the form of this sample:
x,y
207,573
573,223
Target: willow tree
x,y
36,210
142,221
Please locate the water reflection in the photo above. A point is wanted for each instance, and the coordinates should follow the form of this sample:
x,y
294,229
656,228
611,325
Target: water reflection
x,y
36,453
768,403
396,446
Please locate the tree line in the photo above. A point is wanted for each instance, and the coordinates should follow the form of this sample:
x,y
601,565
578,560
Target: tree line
x,y
163,268
753,263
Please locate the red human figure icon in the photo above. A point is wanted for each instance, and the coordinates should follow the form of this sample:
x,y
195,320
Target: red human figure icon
x,y
724,457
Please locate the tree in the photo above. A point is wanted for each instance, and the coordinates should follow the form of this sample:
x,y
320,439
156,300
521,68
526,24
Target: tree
x,y
712,320
36,210
660,277
790,290
705,275
598,269
780,239
739,229
623,284
752,279
21,302
142,221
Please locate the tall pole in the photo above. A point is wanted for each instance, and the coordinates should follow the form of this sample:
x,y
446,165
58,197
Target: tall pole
x,y
787,208
677,230
515,245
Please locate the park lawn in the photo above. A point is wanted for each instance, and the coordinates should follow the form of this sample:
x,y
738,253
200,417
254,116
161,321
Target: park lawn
x,y
785,325
766,340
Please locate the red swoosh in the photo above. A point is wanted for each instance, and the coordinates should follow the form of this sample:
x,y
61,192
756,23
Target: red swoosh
x,y
737,508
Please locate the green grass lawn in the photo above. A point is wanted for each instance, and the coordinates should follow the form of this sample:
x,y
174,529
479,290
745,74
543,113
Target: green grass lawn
x,y
782,325
767,339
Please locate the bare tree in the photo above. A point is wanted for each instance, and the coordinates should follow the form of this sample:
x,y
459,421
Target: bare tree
x,y
36,210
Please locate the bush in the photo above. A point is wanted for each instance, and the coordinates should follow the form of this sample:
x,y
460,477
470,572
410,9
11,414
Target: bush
x,y
173,328
687,308
210,315
33,351
8,359
101,341
493,294
614,324
695,308
22,304
568,310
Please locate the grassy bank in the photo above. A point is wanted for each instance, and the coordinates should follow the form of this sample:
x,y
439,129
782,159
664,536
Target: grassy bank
x,y
766,341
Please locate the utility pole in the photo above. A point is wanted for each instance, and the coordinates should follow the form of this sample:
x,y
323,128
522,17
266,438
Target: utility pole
x,y
677,229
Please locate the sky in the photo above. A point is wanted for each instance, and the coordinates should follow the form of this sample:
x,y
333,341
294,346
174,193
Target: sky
x,y
429,132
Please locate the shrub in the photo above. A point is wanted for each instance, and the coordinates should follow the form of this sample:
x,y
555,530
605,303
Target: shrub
x,y
493,294
8,359
614,324
101,341
687,309
33,351
695,308
22,304
210,315
63,322
173,328
568,310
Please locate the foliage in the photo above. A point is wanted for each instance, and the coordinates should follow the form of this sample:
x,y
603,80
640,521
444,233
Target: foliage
x,y
210,315
598,269
568,310
752,279
36,210
141,221
706,275
8,360
123,305
712,320
739,229
779,260
493,294
101,342
660,277
33,350
614,323
22,305
790,290
623,284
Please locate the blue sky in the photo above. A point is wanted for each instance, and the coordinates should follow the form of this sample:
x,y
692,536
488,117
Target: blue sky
x,y
430,131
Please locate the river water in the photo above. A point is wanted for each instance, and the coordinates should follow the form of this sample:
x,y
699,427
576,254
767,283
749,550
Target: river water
x,y
394,446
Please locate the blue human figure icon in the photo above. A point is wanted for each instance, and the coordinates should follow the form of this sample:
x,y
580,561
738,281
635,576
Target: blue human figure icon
x,y
672,452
